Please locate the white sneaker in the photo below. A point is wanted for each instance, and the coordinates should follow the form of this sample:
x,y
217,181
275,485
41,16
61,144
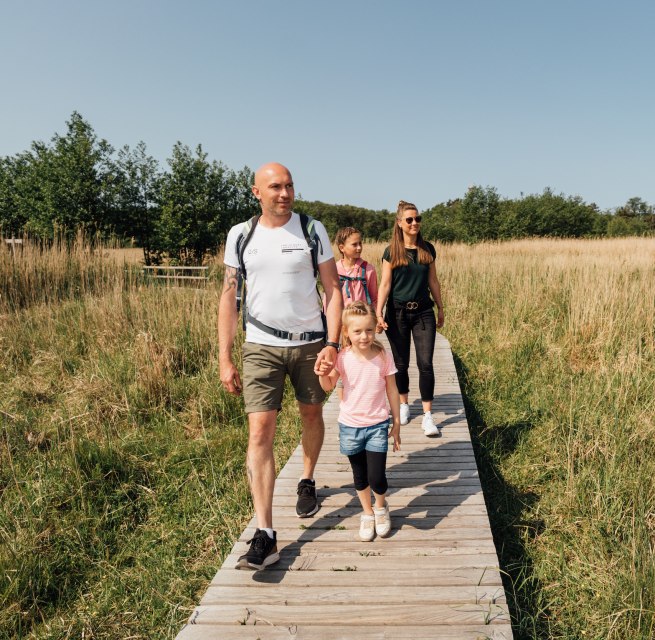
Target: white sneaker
x,y
404,413
382,520
366,528
429,428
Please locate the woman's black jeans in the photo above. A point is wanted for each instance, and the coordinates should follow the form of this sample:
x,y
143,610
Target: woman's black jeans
x,y
403,324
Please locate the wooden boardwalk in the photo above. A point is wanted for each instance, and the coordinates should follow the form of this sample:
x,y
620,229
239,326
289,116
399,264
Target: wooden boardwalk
x,y
436,576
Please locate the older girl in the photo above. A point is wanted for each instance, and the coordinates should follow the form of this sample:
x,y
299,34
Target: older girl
x,y
358,278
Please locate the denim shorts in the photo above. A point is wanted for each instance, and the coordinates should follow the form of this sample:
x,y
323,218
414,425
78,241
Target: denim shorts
x,y
354,440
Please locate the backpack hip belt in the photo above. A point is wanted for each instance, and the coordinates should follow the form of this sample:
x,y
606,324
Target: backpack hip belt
x,y
286,335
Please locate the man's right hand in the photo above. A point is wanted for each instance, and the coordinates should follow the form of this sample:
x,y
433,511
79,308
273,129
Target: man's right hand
x,y
231,379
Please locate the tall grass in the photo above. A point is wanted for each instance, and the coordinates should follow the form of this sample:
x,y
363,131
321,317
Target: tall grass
x,y
36,273
121,460
555,344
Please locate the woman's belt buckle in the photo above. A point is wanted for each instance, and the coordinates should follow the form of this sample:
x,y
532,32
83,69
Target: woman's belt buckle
x,y
411,306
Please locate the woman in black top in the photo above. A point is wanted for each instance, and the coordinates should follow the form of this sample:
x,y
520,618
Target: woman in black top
x,y
409,277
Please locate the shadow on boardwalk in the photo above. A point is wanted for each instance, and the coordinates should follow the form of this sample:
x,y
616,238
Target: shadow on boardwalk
x,y
424,511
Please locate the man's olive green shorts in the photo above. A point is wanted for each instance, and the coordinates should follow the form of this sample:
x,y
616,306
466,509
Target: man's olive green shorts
x,y
265,369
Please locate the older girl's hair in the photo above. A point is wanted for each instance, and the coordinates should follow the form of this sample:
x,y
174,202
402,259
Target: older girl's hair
x,y
343,234
359,309
398,252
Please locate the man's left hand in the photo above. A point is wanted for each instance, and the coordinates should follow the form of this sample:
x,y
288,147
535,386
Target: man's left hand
x,y
325,360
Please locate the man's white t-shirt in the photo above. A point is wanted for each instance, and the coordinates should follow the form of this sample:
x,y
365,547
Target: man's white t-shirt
x,y
281,284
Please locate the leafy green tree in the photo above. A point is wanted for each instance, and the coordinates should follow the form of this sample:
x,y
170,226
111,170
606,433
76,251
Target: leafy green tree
x,y
199,202
62,186
642,213
548,214
135,210
635,207
374,225
242,203
619,226
443,222
479,213
12,218
76,172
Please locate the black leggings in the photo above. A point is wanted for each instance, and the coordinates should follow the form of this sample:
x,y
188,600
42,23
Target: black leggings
x,y
369,471
422,325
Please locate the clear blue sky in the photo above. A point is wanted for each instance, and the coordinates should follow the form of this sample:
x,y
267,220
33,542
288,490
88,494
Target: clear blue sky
x,y
366,101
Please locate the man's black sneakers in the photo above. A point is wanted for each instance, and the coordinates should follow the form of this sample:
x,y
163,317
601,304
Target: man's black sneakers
x,y
307,504
262,552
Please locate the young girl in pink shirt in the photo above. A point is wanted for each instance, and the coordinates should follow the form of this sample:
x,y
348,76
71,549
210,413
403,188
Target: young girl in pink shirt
x,y
367,372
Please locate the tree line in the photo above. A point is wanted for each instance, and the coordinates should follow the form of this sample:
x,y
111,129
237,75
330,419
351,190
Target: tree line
x,y
80,181
184,212
483,215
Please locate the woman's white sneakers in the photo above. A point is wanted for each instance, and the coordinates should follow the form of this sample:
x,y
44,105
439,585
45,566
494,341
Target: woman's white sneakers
x,y
429,428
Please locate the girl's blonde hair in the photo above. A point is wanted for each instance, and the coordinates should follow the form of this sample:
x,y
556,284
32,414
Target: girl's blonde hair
x,y
398,251
359,309
343,234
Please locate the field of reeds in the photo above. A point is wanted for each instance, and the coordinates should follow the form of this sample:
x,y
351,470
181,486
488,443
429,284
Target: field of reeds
x,y
121,460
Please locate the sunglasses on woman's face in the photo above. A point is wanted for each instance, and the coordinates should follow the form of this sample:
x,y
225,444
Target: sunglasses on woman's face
x,y
410,220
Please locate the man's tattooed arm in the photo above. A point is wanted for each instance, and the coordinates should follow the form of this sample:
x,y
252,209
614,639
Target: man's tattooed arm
x,y
229,279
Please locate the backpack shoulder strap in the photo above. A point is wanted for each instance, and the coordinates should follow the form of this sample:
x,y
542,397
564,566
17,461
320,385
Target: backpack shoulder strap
x,y
243,240
365,285
308,226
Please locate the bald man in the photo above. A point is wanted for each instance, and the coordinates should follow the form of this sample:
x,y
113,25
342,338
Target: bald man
x,y
281,301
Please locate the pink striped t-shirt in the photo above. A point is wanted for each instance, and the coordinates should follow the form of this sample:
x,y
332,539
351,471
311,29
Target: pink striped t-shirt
x,y
364,388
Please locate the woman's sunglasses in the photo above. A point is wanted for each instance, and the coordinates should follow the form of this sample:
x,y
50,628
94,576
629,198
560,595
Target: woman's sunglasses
x,y
410,220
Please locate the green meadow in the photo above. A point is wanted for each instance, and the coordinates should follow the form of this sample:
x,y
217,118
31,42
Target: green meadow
x,y
122,461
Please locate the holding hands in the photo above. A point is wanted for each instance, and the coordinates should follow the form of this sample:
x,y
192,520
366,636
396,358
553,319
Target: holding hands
x,y
323,367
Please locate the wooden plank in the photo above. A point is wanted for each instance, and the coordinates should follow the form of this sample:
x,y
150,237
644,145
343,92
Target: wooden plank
x,y
352,615
341,632
176,277
402,534
281,578
348,550
430,496
423,490
409,520
398,510
339,594
405,470
417,562
166,267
